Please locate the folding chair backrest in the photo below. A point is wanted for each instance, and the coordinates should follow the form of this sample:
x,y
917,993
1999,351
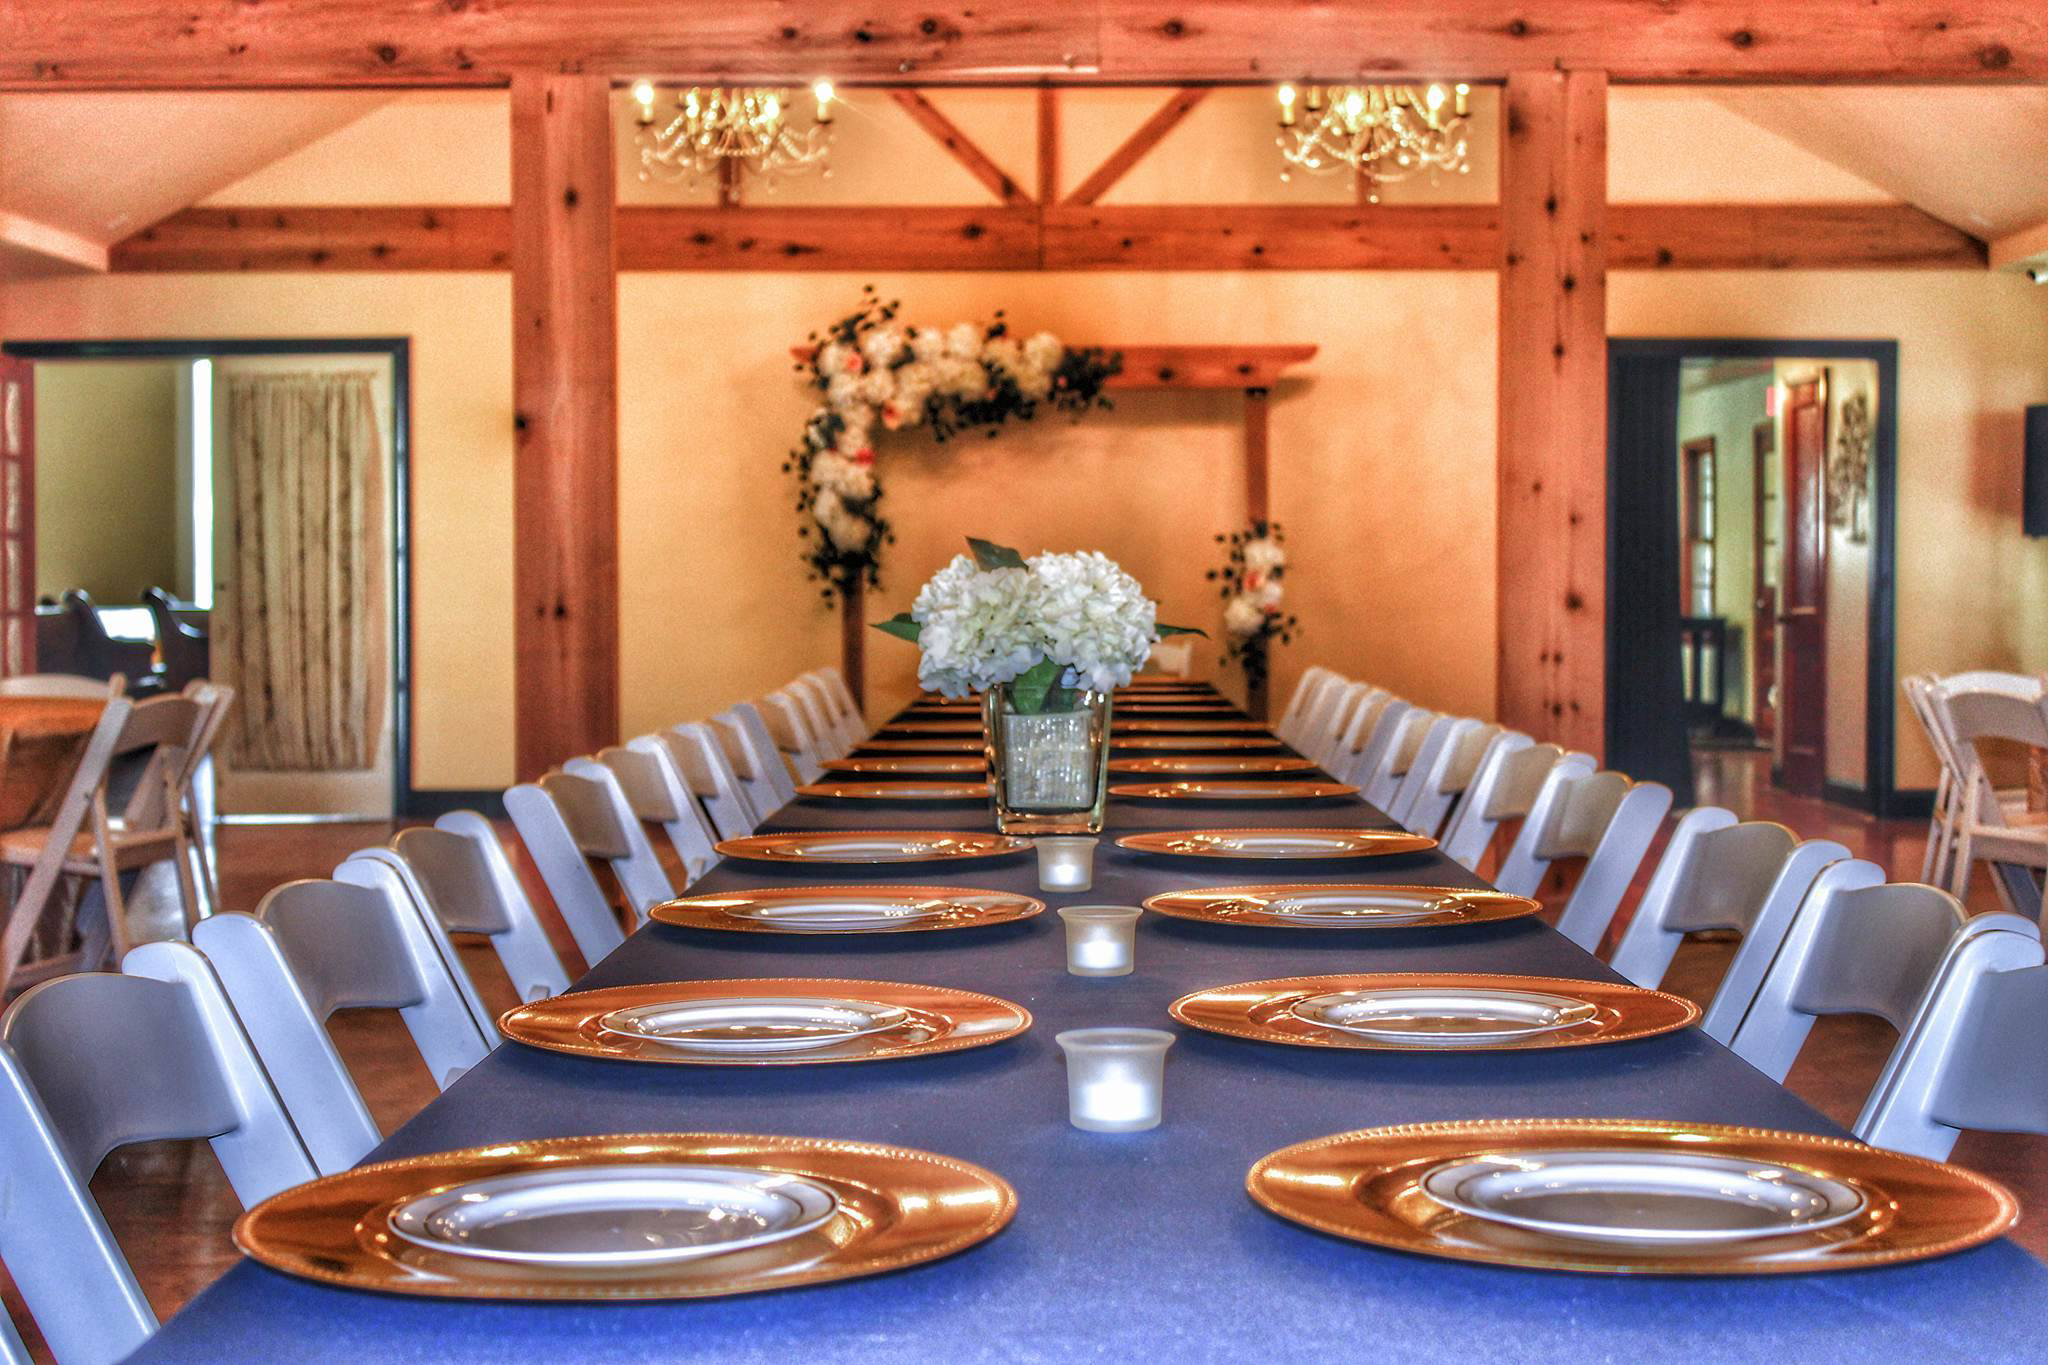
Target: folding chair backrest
x,y
699,748
94,1062
1601,817
2025,686
837,708
381,870
605,826
1370,732
1322,722
1345,723
316,947
1970,1058
794,734
1381,783
1443,773
659,794
1969,717
1855,946
850,704
1490,797
562,845
1721,873
755,758
826,732
1313,679
458,869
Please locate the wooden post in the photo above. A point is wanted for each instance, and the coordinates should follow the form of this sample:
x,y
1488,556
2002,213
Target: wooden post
x,y
1257,496
1552,547
853,642
565,395
1048,145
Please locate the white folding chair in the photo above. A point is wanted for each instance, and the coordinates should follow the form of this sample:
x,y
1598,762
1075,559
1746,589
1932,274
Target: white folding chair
x,y
1441,776
658,793
700,751
1971,1056
460,872
568,820
1342,726
1379,777
1174,657
1601,817
1985,828
94,1062
1314,679
1856,945
838,706
1369,730
314,948
382,871
836,681
1510,773
763,774
792,732
1721,873
826,732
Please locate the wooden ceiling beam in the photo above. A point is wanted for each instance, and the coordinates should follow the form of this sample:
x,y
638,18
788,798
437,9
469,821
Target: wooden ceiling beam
x,y
1029,237
1163,121
961,147
52,243
146,44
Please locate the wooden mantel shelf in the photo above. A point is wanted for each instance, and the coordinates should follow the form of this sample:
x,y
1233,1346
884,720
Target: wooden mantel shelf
x,y
1191,367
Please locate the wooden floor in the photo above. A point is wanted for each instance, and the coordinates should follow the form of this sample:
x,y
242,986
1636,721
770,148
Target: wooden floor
x,y
171,1209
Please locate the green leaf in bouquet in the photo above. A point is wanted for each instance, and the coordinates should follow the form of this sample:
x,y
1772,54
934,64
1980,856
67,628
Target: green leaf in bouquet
x,y
901,625
1028,691
1166,630
989,555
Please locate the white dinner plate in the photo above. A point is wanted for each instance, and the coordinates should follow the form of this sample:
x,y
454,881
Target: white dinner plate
x,y
1449,1016
832,917
754,1024
1642,1197
614,1216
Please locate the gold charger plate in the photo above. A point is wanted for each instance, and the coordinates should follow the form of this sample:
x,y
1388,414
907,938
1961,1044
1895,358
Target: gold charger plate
x,y
1263,845
912,728
922,764
897,1207
1366,1186
814,847
951,907
895,791
1407,907
1212,765
1199,790
1264,1010
953,744
936,1019
1194,744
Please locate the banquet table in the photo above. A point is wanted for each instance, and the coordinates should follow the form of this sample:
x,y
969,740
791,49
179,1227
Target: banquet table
x,y
1134,1246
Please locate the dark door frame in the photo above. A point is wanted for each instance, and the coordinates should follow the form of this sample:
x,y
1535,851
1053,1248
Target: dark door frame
x,y
1879,795
404,801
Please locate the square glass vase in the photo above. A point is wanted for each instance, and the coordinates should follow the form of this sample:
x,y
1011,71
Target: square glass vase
x,y
1048,771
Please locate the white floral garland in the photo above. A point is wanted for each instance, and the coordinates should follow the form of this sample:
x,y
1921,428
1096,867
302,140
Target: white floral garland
x,y
865,385
1257,601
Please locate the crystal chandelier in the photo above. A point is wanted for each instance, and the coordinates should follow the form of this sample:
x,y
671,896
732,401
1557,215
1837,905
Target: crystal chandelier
x,y
1379,132
747,127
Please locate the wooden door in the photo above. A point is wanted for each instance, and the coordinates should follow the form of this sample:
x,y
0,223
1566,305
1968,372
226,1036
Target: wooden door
x,y
1802,620
1763,616
17,516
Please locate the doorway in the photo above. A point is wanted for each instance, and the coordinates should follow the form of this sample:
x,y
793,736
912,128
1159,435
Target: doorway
x,y
281,529
1757,476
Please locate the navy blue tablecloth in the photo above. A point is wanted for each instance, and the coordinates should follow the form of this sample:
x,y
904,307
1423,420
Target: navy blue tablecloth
x,y
1142,1246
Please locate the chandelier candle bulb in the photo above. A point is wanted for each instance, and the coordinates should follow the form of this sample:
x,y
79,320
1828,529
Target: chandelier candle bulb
x,y
1102,940
1066,862
1116,1078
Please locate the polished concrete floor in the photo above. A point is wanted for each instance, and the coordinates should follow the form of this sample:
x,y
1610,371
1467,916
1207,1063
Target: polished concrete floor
x,y
171,1209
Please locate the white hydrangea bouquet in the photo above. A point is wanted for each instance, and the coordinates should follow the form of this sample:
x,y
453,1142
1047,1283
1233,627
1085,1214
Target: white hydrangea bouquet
x,y
1048,640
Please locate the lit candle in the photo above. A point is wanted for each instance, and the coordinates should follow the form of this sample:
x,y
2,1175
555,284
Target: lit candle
x,y
1286,106
823,92
643,95
1116,1077
1066,862
1101,939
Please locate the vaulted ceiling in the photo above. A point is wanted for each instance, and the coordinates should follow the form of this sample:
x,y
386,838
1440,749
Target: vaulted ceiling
x,y
82,171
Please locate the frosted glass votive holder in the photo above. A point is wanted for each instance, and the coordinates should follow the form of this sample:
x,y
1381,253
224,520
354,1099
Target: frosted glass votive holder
x,y
1066,862
1102,940
1116,1077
